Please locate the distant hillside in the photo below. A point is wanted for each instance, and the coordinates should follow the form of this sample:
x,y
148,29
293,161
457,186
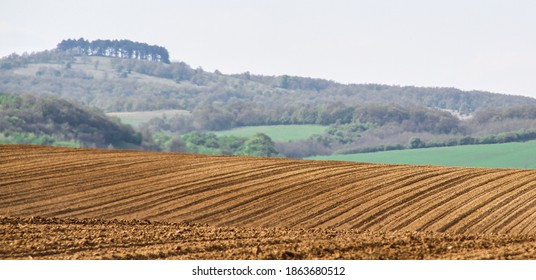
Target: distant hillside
x,y
116,84
121,76
53,121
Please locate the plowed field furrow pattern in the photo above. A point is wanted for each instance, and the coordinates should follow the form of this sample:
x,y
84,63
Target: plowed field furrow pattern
x,y
440,203
69,238
263,192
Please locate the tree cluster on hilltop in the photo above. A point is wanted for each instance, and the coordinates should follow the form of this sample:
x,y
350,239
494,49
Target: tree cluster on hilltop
x,y
116,48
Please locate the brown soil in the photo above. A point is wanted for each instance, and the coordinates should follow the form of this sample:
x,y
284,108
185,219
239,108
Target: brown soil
x,y
256,207
69,238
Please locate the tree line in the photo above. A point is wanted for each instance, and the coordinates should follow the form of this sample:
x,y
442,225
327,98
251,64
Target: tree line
x,y
116,48
213,116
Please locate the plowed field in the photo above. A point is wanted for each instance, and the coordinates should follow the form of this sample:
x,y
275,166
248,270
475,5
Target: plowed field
x,y
68,238
263,206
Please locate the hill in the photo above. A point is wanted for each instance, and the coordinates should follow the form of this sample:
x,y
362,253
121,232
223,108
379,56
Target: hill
x,y
120,76
53,121
116,84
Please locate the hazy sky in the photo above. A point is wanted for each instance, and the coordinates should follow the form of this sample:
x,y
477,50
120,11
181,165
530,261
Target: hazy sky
x,y
485,45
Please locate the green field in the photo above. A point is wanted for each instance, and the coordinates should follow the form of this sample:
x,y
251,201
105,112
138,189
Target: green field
x,y
278,133
509,155
137,118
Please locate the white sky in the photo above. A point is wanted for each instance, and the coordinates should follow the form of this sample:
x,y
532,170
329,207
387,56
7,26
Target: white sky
x,y
473,44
